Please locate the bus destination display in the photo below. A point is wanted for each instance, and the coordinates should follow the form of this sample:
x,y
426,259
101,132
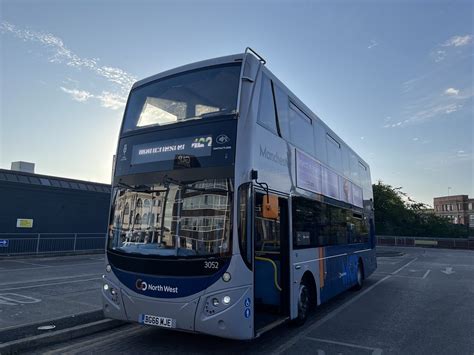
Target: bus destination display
x,y
199,146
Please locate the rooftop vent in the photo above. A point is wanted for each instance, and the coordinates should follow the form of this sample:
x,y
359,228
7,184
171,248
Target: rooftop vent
x,y
23,166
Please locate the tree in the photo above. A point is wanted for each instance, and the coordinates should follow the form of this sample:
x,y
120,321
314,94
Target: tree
x,y
397,214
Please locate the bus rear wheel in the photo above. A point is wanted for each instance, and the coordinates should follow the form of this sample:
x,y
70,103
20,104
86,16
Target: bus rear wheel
x,y
304,303
360,277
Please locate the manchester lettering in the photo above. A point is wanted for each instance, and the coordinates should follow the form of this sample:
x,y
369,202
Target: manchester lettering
x,y
274,157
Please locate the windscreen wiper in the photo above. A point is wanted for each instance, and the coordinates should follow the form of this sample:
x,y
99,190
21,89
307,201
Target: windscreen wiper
x,y
200,189
211,114
168,180
139,188
217,113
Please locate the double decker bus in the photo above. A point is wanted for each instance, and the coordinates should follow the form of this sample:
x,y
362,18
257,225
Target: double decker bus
x,y
234,207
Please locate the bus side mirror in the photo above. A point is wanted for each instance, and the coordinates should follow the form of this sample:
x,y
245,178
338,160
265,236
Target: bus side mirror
x,y
270,206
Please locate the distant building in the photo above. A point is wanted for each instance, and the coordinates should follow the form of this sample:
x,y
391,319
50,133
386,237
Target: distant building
x,y
33,203
458,209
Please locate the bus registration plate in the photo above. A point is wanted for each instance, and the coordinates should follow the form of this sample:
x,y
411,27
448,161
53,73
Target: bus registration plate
x,y
157,321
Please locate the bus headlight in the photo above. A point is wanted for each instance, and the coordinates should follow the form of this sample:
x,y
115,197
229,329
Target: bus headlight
x,y
106,287
220,301
226,277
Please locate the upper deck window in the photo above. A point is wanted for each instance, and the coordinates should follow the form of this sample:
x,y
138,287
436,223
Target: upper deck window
x,y
301,130
266,111
189,95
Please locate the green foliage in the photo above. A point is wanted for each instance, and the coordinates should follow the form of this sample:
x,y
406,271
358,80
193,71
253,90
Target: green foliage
x,y
397,214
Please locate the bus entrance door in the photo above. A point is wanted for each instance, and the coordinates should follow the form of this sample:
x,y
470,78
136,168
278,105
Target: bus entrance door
x,y
271,253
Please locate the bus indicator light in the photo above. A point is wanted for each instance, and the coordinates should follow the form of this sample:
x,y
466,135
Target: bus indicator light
x,y
226,277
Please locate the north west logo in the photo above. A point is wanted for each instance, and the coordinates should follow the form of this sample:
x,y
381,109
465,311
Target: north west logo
x,y
141,285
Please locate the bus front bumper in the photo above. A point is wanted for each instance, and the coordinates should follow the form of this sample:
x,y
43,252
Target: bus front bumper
x,y
204,314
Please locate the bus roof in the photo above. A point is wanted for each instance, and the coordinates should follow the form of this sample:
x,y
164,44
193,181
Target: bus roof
x,y
192,66
240,57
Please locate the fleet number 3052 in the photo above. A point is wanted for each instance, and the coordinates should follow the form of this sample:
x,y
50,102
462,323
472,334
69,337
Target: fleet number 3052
x,y
211,265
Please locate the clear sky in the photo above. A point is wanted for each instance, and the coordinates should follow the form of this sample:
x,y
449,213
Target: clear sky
x,y
394,79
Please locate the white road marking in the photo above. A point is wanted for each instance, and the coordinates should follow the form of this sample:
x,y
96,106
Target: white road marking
x,y
448,271
383,262
25,262
55,266
408,277
374,350
6,304
48,279
50,284
426,274
404,266
444,264
18,299
338,310
103,339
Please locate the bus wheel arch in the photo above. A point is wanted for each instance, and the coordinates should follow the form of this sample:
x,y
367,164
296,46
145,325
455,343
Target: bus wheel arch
x,y
308,279
306,295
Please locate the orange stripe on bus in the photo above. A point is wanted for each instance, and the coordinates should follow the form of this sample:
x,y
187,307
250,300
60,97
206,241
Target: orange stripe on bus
x,y
321,267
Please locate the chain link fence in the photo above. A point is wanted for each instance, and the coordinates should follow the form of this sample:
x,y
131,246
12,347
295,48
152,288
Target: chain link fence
x,y
47,243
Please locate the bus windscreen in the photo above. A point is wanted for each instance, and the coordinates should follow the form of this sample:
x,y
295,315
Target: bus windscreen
x,y
172,219
195,94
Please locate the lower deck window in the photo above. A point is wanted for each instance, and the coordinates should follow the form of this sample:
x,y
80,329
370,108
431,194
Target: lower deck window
x,y
317,224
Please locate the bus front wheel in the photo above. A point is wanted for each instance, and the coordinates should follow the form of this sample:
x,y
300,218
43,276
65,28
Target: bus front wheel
x,y
304,303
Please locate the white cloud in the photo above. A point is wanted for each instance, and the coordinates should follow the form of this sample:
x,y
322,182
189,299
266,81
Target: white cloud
x,y
106,99
373,44
462,154
439,55
59,53
78,95
452,108
111,100
458,41
426,114
451,92
441,51
415,139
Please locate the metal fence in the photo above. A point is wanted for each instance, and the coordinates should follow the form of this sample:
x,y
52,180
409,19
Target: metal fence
x,y
449,243
43,243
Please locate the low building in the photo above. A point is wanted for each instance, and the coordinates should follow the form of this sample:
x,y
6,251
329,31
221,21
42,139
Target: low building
x,y
34,203
459,209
